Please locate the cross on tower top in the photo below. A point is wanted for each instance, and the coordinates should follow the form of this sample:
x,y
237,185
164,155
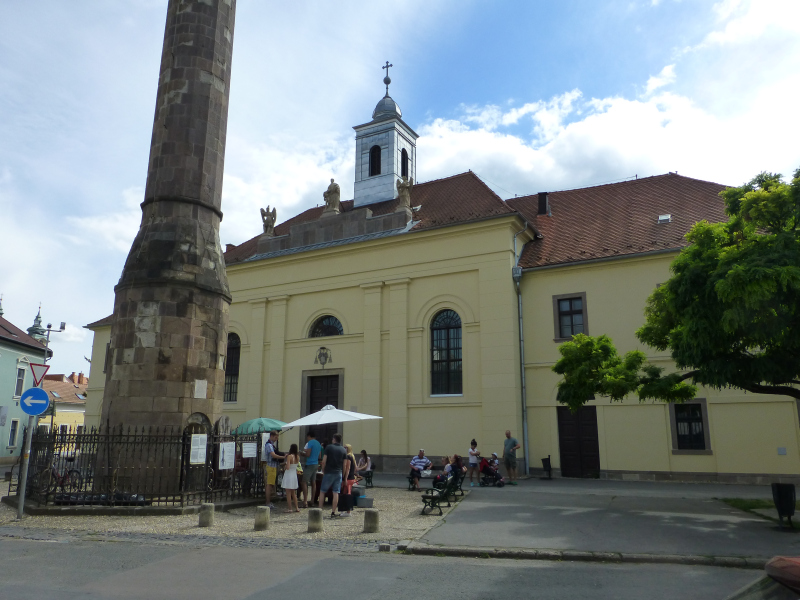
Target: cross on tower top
x,y
387,80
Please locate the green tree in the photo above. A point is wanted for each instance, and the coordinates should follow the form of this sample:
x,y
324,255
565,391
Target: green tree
x,y
729,315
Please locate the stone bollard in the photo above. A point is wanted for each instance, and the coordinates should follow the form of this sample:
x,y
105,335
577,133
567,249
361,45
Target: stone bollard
x,y
314,520
206,515
371,521
262,518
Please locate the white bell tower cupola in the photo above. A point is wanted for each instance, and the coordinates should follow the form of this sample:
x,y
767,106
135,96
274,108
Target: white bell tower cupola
x,y
386,150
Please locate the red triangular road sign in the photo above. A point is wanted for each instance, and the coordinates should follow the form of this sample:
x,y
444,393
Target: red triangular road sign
x,y
39,372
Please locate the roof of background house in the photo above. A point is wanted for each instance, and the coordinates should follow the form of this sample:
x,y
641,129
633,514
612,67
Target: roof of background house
x,y
458,199
617,219
11,333
65,391
101,323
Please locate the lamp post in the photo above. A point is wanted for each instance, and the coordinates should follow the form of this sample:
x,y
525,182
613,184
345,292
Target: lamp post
x,y
26,448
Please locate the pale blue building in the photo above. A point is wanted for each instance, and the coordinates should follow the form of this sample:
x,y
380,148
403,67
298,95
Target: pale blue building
x,y
17,350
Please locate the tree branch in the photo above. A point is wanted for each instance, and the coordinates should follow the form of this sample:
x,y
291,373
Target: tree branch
x,y
689,375
778,390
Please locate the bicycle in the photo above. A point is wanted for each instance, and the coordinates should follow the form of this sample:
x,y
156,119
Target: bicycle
x,y
48,480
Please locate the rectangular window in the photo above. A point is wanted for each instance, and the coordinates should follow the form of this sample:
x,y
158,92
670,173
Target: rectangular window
x,y
569,313
20,382
446,362
12,435
689,422
105,362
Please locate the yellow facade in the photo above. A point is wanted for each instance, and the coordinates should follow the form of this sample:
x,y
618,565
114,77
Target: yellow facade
x,y
385,293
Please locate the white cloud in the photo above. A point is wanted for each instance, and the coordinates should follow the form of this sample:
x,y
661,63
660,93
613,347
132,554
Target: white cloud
x,y
742,22
665,77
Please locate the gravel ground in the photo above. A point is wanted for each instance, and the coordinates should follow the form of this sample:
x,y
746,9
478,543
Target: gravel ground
x,y
400,519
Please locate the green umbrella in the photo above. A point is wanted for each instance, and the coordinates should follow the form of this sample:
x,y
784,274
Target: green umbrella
x,y
259,425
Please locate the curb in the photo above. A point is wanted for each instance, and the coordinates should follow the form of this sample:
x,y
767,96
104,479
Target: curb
x,y
577,555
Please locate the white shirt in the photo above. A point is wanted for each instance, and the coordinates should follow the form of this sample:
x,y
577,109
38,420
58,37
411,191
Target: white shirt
x,y
473,456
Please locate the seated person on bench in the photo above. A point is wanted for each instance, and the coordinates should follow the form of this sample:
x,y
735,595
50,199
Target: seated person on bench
x,y
418,464
364,464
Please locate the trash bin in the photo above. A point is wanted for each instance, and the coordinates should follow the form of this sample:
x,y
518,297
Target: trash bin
x,y
547,468
783,494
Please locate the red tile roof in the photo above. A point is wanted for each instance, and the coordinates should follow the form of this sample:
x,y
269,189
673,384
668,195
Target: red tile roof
x,y
67,391
105,321
617,219
457,199
12,333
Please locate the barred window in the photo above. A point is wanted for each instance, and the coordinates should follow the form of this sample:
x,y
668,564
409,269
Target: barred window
x,y
232,368
326,326
446,353
689,425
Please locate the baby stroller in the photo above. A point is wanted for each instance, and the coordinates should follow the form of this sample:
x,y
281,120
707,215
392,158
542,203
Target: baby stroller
x,y
490,475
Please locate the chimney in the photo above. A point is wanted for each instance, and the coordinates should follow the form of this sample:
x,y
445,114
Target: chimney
x,y
544,204
72,378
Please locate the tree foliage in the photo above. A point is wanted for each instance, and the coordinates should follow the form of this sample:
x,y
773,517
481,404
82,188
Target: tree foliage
x,y
729,314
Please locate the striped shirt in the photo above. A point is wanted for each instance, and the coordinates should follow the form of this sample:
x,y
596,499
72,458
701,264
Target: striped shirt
x,y
268,450
420,463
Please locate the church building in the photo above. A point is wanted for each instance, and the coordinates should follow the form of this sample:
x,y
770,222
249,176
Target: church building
x,y
440,307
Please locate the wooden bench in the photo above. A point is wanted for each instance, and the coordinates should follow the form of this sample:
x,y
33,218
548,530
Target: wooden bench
x,y
433,497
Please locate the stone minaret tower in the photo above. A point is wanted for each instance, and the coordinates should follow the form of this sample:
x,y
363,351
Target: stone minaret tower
x,y
170,328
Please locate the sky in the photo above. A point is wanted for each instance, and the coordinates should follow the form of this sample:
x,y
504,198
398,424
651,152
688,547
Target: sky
x,y
530,95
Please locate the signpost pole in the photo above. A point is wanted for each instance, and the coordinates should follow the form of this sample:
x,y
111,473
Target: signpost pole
x,y
26,449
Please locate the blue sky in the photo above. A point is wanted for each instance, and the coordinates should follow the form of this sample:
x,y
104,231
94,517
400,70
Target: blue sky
x,y
531,95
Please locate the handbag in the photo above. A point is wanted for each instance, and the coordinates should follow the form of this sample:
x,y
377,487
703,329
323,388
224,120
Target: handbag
x,y
426,473
299,469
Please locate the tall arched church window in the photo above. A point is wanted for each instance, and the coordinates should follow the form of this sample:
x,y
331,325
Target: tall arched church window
x,y
232,368
446,353
326,326
374,161
404,163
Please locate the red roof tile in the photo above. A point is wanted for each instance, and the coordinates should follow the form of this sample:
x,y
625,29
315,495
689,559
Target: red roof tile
x,y
618,218
457,199
67,391
12,333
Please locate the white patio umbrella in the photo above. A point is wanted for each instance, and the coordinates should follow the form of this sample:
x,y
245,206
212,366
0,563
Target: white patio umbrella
x,y
329,414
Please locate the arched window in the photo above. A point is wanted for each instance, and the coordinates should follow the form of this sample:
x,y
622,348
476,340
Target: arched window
x,y
446,353
374,161
232,368
326,326
404,163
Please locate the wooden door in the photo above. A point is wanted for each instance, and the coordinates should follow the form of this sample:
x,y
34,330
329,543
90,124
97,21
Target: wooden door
x,y
578,442
324,390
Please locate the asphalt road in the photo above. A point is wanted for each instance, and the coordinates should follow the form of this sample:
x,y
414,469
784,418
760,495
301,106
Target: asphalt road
x,y
122,570
614,517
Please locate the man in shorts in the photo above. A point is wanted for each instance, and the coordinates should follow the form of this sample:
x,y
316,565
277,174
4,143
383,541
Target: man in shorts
x,y
312,450
332,463
270,463
510,447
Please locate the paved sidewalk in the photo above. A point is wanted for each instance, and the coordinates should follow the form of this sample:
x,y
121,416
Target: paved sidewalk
x,y
612,516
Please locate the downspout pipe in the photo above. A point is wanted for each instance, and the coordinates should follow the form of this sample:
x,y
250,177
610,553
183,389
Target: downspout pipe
x,y
516,274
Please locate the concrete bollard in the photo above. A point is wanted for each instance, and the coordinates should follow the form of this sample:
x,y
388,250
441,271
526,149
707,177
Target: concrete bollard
x,y
371,521
262,518
314,520
206,515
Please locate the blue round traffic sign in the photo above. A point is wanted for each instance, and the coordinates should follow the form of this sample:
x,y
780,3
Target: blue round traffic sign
x,y
34,401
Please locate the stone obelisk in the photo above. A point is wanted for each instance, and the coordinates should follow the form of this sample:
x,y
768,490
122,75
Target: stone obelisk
x,y
169,332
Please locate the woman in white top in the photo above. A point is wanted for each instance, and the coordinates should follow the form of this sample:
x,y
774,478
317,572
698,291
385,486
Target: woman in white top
x,y
290,478
474,462
364,465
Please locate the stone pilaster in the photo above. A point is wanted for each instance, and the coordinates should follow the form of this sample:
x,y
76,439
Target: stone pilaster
x,y
398,366
371,386
273,407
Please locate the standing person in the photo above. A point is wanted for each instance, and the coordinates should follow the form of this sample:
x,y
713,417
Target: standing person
x,y
418,464
311,451
510,447
271,466
348,475
474,462
332,465
290,478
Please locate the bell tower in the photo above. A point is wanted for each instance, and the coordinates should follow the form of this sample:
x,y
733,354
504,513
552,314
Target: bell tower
x,y
386,150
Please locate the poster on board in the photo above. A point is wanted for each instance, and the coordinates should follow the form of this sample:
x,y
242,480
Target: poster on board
x,y
227,455
249,449
197,456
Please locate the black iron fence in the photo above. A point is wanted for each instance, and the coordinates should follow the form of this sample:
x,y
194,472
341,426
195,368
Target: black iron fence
x,y
141,467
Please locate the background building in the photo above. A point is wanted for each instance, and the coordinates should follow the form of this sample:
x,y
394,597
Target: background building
x,y
413,302
67,401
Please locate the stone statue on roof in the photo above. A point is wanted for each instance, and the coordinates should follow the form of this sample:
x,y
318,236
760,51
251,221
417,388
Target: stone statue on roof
x,y
332,198
404,192
268,220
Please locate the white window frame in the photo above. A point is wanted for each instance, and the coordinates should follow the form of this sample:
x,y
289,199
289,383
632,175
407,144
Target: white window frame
x,y
16,434
17,381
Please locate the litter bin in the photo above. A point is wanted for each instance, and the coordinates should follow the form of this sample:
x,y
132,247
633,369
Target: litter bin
x,y
783,494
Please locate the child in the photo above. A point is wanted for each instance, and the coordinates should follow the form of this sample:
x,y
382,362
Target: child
x,y
474,462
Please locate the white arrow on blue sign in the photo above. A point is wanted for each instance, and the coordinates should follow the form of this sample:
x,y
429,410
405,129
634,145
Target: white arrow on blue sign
x,y
34,401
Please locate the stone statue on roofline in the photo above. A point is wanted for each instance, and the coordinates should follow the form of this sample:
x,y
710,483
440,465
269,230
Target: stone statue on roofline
x,y
332,199
404,192
268,220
